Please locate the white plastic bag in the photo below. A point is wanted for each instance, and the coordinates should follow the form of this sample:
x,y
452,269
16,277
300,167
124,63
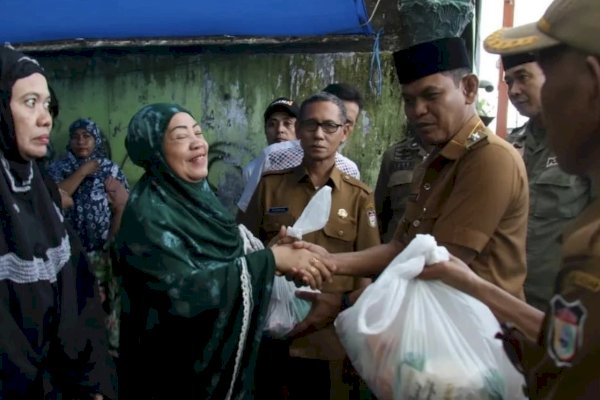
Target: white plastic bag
x,y
414,339
285,309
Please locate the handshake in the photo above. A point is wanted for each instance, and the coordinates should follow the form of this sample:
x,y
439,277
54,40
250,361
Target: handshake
x,y
304,263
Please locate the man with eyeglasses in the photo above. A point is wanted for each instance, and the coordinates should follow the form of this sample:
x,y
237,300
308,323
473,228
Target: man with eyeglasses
x,y
309,364
287,154
470,193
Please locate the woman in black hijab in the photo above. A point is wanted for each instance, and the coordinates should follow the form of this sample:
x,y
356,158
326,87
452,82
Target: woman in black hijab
x,y
52,340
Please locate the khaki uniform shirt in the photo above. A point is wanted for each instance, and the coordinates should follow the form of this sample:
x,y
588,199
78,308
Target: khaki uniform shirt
x,y
555,198
393,183
473,193
565,363
280,199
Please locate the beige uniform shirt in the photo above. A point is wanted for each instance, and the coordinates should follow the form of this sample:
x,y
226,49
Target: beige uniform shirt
x,y
473,193
280,199
565,363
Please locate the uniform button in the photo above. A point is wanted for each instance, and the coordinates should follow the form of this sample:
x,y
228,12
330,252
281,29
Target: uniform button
x,y
341,233
427,186
424,209
416,223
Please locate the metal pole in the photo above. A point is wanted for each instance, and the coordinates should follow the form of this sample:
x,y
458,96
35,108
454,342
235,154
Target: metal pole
x,y
501,115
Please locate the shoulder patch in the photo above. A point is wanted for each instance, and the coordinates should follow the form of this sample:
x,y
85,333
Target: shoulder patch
x,y
565,332
355,182
371,215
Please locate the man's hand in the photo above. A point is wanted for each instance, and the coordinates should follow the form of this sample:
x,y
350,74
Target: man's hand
x,y
301,266
325,307
454,273
281,238
320,254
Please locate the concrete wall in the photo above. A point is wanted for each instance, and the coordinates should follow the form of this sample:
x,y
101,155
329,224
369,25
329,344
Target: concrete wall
x,y
227,93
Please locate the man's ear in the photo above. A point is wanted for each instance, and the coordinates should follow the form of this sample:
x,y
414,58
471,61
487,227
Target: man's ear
x,y
593,65
470,85
345,132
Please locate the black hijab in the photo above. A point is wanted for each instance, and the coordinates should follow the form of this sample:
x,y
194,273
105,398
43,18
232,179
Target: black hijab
x,y
34,244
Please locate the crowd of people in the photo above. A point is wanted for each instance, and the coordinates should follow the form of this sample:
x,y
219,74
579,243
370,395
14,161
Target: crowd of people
x,y
164,282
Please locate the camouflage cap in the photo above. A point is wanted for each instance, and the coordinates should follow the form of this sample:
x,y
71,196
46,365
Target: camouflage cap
x,y
570,22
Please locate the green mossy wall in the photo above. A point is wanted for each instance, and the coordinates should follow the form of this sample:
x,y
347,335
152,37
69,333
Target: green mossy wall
x,y
227,93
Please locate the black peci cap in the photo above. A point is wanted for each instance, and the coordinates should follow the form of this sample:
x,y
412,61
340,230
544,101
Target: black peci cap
x,y
429,58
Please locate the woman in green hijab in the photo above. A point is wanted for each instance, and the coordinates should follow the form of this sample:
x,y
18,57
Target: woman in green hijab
x,y
193,304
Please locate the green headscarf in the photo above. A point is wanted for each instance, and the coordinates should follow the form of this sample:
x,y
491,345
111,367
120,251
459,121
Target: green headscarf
x,y
205,231
187,247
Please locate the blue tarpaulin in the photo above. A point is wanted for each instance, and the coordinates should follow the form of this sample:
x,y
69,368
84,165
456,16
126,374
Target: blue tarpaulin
x,y
29,21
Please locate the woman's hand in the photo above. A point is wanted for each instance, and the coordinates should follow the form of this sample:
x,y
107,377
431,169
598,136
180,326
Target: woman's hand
x,y
116,192
302,265
89,167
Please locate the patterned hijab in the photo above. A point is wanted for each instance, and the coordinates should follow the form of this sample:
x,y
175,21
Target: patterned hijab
x,y
181,219
91,214
34,244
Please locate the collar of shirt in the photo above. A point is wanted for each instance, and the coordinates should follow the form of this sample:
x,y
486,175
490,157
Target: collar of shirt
x,y
335,178
457,146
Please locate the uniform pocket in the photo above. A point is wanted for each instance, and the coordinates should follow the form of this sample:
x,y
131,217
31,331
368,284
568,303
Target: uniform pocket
x,y
341,235
559,195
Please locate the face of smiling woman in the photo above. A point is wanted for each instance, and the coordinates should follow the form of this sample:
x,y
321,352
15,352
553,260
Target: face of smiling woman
x,y
29,105
185,149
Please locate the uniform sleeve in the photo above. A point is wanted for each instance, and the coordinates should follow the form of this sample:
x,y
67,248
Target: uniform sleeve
x,y
487,183
574,309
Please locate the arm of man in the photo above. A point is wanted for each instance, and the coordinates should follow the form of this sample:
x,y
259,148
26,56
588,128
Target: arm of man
x,y
505,306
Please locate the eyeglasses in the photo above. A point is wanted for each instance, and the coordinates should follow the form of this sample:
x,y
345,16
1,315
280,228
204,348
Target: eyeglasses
x,y
328,126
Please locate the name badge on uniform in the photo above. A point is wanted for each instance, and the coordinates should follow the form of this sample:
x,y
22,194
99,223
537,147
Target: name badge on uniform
x,y
565,333
551,162
277,210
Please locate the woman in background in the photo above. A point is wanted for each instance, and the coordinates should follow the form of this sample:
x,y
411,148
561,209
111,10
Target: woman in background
x,y
99,190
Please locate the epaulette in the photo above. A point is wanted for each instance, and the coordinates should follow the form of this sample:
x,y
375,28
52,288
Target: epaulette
x,y
479,134
355,182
